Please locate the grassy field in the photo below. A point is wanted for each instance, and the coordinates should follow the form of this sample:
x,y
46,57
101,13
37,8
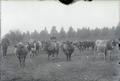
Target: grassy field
x,y
83,67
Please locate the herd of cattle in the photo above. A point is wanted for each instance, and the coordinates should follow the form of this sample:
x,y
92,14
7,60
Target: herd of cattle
x,y
52,47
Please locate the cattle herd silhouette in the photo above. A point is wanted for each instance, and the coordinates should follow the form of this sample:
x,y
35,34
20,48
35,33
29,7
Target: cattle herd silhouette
x,y
52,48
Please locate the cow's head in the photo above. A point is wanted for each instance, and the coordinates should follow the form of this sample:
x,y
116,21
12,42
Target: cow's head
x,y
19,45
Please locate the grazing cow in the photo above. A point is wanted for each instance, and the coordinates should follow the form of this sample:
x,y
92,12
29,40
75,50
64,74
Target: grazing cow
x,y
5,44
79,45
21,52
109,47
29,47
105,46
100,45
91,44
33,48
68,49
38,46
116,43
84,45
52,48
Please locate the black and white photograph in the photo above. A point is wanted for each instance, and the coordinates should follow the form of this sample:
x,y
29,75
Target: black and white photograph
x,y
60,40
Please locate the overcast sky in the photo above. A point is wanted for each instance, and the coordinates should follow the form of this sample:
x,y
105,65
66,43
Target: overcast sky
x,y
35,15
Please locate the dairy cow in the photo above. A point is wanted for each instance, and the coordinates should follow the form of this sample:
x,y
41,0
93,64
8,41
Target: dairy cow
x,y
68,49
21,52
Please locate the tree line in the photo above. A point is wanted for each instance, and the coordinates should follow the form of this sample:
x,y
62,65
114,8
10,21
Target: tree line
x,y
71,34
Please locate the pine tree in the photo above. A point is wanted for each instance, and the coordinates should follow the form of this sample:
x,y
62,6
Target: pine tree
x,y
54,32
62,34
117,31
71,33
44,34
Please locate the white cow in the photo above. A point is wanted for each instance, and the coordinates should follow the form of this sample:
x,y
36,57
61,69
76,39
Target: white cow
x,y
100,45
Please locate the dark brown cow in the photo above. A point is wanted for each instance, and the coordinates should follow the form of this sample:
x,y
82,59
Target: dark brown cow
x,y
84,45
52,48
21,52
68,49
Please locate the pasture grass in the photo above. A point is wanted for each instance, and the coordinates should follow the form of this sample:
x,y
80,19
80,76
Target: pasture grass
x,y
83,67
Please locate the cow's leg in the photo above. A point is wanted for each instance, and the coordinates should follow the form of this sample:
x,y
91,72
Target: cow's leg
x,y
69,57
37,51
53,54
4,51
34,53
56,54
23,64
110,55
24,61
31,54
84,49
119,46
20,61
105,57
49,56
80,50
95,49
